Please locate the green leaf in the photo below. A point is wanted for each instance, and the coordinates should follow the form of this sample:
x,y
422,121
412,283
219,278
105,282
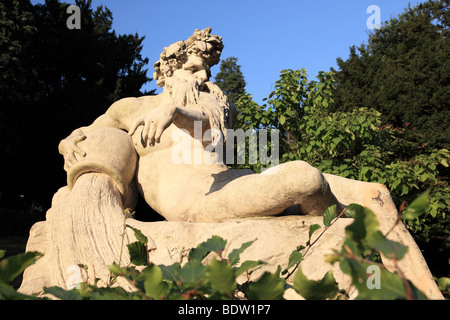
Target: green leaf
x,y
9,293
294,258
365,223
138,253
221,276
391,287
417,207
282,119
268,287
387,247
444,284
233,257
62,294
116,293
215,243
198,253
312,229
13,266
138,234
154,285
329,215
172,272
192,272
2,253
247,265
351,209
326,288
444,163
116,269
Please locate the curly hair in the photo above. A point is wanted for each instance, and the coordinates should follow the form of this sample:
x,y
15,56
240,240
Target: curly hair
x,y
202,43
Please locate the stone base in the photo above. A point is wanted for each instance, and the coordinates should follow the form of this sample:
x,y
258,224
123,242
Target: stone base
x,y
79,231
276,239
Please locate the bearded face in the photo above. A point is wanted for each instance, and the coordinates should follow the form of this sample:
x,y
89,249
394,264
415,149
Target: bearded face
x,y
184,71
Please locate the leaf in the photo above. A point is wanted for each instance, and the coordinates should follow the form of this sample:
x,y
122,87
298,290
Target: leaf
x,y
138,234
351,209
172,272
247,265
62,294
294,258
116,293
215,243
221,276
192,272
9,293
138,253
444,284
312,229
365,223
326,288
282,119
116,269
13,266
329,215
198,253
2,253
387,247
233,257
392,287
268,287
417,207
154,285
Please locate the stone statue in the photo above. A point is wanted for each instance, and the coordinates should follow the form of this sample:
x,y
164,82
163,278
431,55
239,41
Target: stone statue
x,y
131,148
198,191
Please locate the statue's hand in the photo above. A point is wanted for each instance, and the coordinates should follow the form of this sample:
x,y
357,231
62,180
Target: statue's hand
x,y
68,147
155,122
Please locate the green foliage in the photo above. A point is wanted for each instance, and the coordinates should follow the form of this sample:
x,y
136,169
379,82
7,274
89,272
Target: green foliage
x,y
354,144
268,287
230,79
208,275
326,288
12,267
401,73
53,79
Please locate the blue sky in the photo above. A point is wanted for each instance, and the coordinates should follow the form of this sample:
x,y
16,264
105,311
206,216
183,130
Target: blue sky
x,y
265,36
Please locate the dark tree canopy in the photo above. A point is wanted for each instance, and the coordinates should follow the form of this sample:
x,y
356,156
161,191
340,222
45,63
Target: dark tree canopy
x,y
230,79
403,72
54,79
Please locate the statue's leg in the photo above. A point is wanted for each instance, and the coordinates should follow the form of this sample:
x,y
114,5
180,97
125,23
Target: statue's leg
x,y
268,194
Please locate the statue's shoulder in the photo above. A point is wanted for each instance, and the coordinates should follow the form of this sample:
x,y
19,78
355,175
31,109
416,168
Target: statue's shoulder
x,y
134,104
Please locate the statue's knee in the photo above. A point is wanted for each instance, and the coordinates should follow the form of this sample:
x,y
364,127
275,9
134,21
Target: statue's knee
x,y
305,178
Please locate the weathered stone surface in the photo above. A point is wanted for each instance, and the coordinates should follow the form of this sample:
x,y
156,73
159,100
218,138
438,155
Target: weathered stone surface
x,y
276,239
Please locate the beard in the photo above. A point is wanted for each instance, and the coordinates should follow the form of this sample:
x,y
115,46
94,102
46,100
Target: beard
x,y
183,92
206,97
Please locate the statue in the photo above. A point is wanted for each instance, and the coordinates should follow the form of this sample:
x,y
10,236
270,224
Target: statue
x,y
131,148
198,191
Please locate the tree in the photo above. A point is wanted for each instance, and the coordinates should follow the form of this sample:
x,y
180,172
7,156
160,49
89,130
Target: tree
x,y
354,144
230,79
55,79
402,73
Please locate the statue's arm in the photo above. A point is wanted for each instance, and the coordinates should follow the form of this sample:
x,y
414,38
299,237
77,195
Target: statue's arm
x,y
156,120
